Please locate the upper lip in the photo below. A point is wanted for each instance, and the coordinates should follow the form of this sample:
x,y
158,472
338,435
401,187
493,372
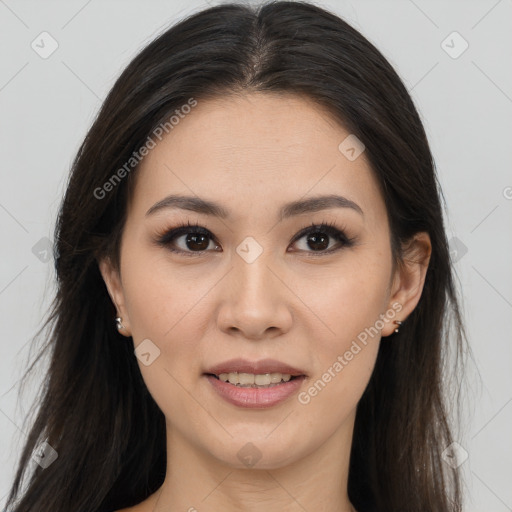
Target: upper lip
x,y
256,367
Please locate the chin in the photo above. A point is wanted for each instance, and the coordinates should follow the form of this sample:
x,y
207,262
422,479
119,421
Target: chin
x,y
257,452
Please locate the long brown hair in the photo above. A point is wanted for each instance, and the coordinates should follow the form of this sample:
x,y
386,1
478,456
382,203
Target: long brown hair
x,y
94,389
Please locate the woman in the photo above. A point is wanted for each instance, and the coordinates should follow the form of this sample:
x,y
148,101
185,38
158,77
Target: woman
x,y
254,284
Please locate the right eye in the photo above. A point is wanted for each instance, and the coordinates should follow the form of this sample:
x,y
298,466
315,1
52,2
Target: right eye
x,y
188,238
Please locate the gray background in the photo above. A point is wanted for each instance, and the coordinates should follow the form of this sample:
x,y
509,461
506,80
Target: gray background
x,y
47,104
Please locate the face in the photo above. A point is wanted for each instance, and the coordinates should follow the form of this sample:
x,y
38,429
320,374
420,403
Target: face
x,y
258,282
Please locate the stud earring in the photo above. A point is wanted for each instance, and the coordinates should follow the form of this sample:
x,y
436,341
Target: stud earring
x,y
398,324
119,325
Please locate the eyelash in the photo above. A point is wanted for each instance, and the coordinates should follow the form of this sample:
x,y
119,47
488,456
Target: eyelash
x,y
165,238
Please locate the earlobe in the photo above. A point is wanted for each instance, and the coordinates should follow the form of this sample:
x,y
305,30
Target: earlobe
x,y
114,287
409,278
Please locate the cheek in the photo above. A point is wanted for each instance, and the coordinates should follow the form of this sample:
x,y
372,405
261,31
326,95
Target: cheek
x,y
349,297
159,296
344,361
351,301
172,308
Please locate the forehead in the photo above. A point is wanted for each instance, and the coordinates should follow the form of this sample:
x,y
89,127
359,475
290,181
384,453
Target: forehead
x,y
252,151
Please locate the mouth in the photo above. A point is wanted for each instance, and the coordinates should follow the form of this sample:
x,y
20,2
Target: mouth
x,y
251,380
255,384
246,372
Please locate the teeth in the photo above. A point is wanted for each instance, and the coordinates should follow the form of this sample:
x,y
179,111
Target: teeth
x,y
245,379
251,380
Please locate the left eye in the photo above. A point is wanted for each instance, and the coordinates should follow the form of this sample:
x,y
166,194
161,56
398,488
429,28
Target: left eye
x,y
319,238
190,239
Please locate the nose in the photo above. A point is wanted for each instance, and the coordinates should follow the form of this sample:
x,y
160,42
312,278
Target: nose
x,y
255,303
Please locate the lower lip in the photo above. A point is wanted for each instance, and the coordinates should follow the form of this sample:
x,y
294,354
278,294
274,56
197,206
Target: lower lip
x,y
255,398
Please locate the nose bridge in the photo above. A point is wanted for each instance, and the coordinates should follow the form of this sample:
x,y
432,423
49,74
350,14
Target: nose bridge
x,y
252,279
256,300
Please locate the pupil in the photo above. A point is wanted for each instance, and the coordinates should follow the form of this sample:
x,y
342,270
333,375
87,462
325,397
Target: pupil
x,y
197,241
318,241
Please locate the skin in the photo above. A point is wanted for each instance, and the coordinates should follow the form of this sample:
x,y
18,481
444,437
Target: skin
x,y
252,153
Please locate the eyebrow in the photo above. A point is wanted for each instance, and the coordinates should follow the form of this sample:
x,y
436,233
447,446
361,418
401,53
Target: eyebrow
x,y
206,207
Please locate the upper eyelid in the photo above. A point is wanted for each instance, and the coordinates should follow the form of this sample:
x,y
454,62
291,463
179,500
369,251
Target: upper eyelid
x,y
322,225
189,228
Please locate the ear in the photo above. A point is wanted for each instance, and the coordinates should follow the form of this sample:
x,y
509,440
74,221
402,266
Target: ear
x,y
114,286
409,279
